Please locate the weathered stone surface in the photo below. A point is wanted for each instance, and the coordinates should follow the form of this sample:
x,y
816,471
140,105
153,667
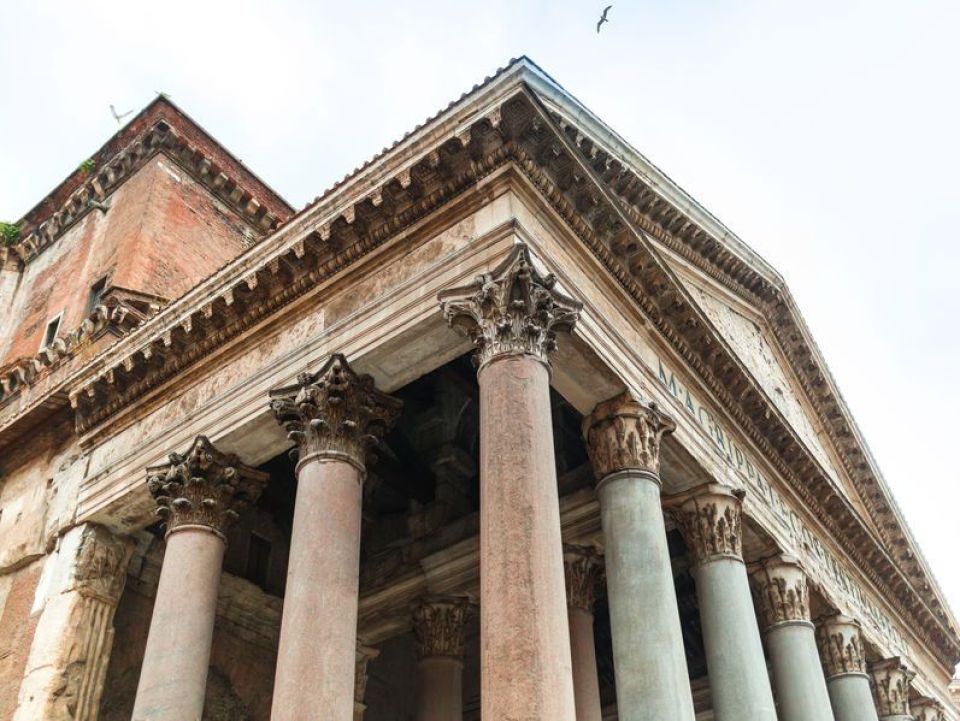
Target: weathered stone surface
x,y
625,434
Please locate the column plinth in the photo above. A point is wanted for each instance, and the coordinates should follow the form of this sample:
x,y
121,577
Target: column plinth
x,y
623,440
198,494
782,600
890,683
512,315
710,519
439,624
334,416
583,568
845,669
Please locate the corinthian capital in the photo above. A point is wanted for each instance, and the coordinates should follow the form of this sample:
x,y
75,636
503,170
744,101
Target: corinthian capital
x,y
928,710
583,568
511,311
334,412
890,683
439,623
624,434
780,591
203,487
709,517
840,646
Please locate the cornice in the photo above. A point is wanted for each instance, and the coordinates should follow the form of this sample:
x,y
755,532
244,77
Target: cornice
x,y
509,126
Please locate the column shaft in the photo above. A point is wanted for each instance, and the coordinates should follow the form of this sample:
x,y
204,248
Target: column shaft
x,y
315,673
649,661
850,698
586,684
525,641
173,678
797,674
440,689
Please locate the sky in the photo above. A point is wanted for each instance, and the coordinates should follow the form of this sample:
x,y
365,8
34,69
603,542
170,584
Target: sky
x,y
825,134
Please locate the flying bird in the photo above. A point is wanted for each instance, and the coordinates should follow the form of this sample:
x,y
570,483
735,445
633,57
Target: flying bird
x,y
118,116
603,18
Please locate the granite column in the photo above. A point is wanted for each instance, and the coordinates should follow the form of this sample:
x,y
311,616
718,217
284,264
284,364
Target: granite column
x,y
845,668
782,601
583,569
334,416
198,493
709,517
439,624
512,315
623,439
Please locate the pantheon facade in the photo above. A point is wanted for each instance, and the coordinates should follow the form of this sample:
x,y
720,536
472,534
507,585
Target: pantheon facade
x,y
502,426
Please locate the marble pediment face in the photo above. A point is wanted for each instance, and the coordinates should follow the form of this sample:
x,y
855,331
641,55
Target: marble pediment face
x,y
747,332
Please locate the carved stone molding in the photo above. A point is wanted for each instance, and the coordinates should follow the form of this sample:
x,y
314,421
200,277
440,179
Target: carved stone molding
x,y
710,519
622,433
890,683
334,412
439,623
203,487
101,568
583,569
840,646
365,654
927,709
513,310
780,591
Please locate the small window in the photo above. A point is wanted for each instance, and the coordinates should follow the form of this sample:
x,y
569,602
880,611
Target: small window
x,y
258,560
96,294
53,327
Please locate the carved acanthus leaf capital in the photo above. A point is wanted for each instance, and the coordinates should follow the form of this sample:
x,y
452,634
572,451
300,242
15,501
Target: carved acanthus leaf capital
x,y
583,568
439,624
928,709
203,487
780,591
710,519
840,646
890,683
513,310
622,434
335,412
101,565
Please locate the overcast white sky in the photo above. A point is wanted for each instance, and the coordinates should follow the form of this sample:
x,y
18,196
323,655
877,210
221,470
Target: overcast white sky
x,y
824,133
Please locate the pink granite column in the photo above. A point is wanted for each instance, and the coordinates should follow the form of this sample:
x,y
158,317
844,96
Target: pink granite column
x,y
583,570
333,415
439,624
199,493
512,315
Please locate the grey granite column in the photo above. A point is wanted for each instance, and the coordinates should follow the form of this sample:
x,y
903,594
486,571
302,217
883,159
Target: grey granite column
x,y
583,568
512,315
782,601
333,415
709,517
890,683
439,624
841,652
198,493
623,439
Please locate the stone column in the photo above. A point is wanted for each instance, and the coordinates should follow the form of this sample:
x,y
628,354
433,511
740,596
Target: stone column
x,y
365,654
67,665
198,494
928,709
438,624
512,315
845,668
890,683
583,569
710,519
334,416
623,440
782,601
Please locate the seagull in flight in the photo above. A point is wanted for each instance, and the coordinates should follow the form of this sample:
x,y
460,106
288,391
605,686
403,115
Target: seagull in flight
x,y
118,116
603,17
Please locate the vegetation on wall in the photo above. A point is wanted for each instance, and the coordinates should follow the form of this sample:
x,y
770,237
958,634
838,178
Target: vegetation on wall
x,y
87,166
9,233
